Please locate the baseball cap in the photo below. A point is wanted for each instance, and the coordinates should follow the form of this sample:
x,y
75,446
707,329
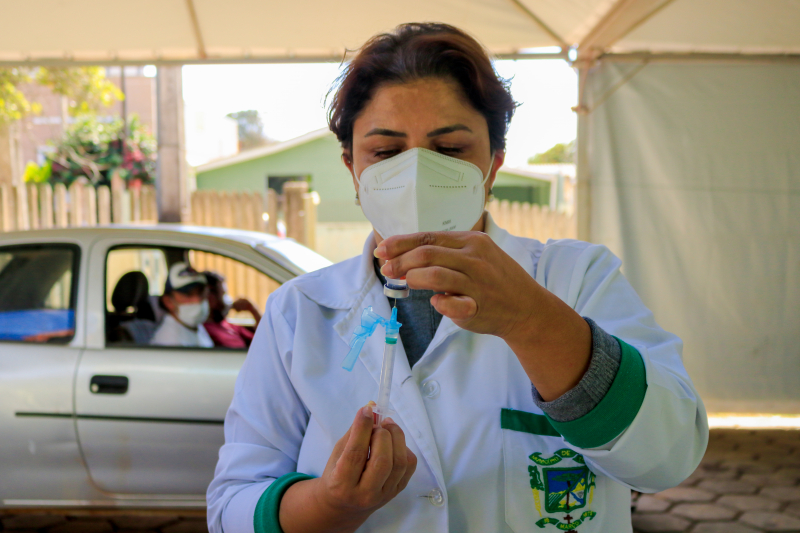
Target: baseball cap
x,y
184,278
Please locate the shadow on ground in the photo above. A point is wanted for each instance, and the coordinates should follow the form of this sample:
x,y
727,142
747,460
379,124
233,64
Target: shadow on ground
x,y
747,483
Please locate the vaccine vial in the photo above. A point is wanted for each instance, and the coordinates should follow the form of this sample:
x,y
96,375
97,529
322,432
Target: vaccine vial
x,y
396,288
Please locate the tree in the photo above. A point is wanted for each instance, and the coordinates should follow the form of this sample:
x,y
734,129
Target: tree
x,y
560,153
86,89
250,129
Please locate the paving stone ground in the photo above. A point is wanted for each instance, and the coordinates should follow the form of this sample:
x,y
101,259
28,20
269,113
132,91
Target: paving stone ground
x,y
748,482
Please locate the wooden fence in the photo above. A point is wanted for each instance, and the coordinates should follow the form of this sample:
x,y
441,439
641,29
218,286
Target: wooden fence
x,y
258,212
43,206
35,206
532,221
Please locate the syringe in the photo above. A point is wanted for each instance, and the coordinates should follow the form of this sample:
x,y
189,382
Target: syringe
x,y
381,411
394,288
369,321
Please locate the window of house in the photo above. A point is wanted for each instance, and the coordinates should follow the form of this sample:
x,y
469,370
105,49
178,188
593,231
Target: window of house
x,y
37,293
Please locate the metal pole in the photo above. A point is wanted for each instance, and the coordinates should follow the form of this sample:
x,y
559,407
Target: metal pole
x,y
583,192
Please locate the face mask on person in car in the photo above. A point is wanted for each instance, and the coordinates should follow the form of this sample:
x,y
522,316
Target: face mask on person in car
x,y
192,315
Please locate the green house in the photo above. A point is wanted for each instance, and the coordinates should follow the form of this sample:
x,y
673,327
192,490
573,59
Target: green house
x,y
316,157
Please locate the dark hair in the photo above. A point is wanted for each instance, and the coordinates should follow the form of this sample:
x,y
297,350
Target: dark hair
x,y
214,279
415,51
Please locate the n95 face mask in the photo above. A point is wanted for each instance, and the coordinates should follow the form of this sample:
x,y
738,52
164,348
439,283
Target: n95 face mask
x,y
192,315
421,190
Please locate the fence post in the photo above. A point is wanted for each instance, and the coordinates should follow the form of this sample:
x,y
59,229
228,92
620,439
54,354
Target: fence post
x,y
525,218
117,198
197,214
23,221
238,204
136,204
272,211
149,209
226,209
6,208
61,209
90,196
46,202
33,204
104,205
75,204
310,202
293,191
259,208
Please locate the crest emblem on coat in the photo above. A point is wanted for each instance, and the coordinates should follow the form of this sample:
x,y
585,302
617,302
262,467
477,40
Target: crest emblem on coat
x,y
565,491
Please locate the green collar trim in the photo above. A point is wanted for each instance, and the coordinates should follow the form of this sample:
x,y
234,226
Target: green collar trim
x,y
266,518
527,423
616,410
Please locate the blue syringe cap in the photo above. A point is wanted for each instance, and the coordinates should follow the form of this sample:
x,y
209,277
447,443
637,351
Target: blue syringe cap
x,y
393,326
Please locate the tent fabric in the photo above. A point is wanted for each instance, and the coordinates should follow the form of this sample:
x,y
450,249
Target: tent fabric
x,y
257,30
695,184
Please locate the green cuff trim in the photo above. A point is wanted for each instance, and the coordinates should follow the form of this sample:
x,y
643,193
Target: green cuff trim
x,y
616,410
267,516
527,423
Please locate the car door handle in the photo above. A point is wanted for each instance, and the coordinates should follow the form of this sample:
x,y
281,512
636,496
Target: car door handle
x,y
109,384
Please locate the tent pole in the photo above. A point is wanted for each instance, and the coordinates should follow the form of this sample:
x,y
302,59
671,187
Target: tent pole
x,y
583,190
171,183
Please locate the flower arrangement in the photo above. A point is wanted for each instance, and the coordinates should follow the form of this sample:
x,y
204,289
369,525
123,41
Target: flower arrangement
x,y
94,150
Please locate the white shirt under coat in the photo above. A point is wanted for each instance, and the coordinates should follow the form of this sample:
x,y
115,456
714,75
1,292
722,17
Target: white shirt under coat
x,y
293,401
173,333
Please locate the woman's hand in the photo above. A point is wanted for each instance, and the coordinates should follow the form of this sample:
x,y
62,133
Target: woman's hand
x,y
485,290
368,468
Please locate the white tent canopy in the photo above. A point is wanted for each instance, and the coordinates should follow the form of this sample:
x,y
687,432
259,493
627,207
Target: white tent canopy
x,y
181,31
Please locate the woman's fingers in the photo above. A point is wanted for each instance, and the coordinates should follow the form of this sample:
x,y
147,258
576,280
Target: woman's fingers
x,y
439,279
354,455
379,465
400,244
455,307
399,456
425,256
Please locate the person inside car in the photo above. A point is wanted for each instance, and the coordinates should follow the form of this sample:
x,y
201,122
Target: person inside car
x,y
186,302
222,332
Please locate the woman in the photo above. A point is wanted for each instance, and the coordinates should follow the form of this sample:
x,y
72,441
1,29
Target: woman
x,y
515,407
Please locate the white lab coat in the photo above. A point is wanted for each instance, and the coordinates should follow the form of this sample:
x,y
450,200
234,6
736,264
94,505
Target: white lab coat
x,y
293,401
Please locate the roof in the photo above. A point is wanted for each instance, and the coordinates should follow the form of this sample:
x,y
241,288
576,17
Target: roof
x,y
263,151
525,173
155,31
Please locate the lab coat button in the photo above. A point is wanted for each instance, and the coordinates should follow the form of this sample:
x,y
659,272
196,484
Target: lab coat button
x,y
436,498
431,389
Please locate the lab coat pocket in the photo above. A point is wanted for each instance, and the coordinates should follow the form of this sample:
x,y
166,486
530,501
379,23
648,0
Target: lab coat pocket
x,y
547,485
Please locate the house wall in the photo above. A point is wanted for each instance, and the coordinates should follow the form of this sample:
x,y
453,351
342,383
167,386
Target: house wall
x,y
516,188
320,158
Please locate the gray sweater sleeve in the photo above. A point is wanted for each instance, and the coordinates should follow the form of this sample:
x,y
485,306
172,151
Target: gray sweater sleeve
x,y
594,385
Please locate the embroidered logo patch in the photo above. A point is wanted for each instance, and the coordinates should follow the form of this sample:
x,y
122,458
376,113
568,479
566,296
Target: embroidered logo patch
x,y
565,489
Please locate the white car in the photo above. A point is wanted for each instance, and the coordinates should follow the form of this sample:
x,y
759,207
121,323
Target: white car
x,y
89,416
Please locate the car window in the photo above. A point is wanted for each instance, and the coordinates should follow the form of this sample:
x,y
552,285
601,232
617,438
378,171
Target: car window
x,y
151,262
139,314
37,293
